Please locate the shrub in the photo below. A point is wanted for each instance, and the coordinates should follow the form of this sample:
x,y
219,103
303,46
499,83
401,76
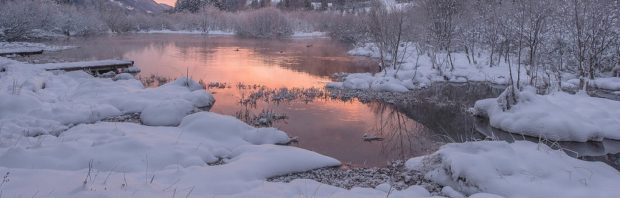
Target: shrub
x,y
264,23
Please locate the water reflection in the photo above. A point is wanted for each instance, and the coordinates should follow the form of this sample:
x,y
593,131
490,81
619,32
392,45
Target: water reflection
x,y
329,126
402,136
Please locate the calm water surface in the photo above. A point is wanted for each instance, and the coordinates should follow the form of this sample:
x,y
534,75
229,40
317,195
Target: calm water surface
x,y
328,126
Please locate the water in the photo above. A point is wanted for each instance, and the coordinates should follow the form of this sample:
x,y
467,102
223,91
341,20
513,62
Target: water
x,y
329,126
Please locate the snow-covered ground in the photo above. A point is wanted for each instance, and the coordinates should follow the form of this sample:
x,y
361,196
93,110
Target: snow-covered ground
x,y
220,32
54,144
605,83
210,32
10,47
309,34
556,116
410,76
519,169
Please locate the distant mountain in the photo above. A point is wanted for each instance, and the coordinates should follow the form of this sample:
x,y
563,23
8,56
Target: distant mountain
x,y
149,6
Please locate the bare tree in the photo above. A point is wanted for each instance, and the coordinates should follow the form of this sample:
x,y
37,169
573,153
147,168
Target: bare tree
x,y
388,29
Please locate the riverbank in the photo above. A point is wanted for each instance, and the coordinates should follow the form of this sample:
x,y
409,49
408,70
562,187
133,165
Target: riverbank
x,y
314,34
51,127
111,138
418,71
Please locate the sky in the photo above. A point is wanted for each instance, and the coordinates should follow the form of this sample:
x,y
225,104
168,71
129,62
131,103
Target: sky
x,y
169,2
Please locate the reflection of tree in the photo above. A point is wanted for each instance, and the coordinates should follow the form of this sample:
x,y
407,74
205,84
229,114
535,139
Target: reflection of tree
x,y
403,136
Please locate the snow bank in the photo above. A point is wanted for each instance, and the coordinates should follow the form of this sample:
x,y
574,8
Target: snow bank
x,y
410,76
8,47
53,144
210,32
309,34
123,76
166,113
519,169
39,102
50,131
609,83
557,116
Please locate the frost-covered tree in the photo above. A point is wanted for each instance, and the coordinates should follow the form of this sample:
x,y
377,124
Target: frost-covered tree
x,y
264,23
594,33
387,27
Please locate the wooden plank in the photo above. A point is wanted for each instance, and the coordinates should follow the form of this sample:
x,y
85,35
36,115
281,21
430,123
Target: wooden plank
x,y
23,52
88,65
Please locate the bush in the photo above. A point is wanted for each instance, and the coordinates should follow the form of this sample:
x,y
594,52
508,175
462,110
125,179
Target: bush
x,y
346,28
264,23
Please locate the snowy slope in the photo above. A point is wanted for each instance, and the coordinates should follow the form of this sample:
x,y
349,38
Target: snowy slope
x,y
556,116
520,169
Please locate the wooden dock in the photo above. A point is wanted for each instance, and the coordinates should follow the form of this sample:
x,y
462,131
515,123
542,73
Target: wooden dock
x,y
20,52
93,67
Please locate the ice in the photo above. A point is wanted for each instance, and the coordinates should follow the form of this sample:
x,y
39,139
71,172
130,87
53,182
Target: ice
x,y
519,169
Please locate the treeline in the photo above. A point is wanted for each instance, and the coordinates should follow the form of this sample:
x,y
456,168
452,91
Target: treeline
x,y
547,38
36,19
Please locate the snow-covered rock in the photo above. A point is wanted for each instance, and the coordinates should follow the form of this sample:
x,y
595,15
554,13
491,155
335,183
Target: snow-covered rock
x,y
519,169
557,116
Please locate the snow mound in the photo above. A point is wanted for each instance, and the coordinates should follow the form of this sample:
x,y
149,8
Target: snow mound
x,y
200,98
557,116
123,76
36,102
166,113
611,83
227,128
519,169
185,82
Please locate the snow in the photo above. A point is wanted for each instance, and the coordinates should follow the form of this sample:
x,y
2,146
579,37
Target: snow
x,y
409,77
610,83
54,144
607,83
123,76
229,33
166,113
10,47
132,69
557,116
309,34
210,32
66,99
83,64
519,169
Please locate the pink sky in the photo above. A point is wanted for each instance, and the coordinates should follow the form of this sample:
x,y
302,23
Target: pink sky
x,y
169,2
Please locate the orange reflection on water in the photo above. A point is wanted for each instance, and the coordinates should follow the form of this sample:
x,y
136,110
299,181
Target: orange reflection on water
x,y
330,127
